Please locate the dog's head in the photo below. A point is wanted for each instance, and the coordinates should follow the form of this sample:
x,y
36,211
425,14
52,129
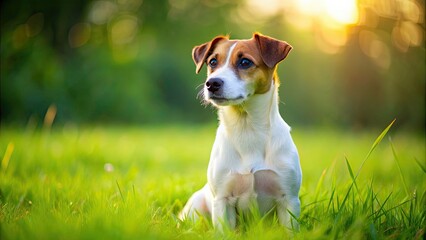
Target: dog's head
x,y
238,69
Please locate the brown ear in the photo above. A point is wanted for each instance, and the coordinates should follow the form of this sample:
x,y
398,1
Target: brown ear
x,y
272,50
201,52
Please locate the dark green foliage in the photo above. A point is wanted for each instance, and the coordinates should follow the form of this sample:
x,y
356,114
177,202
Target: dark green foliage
x,y
133,64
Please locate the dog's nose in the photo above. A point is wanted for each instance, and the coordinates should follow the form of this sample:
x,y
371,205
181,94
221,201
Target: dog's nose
x,y
214,84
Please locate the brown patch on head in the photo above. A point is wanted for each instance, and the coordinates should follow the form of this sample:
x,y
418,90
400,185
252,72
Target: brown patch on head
x,y
201,52
259,73
272,50
220,53
265,53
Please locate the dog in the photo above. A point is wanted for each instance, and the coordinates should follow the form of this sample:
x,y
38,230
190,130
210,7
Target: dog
x,y
254,159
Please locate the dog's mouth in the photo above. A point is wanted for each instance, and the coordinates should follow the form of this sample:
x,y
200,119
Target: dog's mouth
x,y
220,100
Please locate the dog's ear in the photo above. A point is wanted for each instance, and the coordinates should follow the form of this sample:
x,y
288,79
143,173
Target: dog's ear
x,y
272,50
201,52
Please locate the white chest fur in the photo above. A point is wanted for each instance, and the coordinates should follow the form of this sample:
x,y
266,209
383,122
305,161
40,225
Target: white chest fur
x,y
253,160
253,156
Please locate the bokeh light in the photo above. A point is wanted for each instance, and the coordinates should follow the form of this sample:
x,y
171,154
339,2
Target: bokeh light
x,y
79,34
357,52
29,29
333,21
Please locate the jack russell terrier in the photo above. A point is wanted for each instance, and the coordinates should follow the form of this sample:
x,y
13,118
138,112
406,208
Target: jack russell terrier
x,y
254,159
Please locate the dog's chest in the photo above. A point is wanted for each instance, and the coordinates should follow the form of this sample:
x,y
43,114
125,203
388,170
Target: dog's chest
x,y
251,144
242,188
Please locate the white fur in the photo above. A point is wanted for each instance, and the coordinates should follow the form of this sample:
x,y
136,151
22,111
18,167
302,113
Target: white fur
x,y
235,90
253,147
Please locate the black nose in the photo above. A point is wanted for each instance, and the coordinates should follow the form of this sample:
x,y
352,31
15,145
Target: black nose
x,y
214,84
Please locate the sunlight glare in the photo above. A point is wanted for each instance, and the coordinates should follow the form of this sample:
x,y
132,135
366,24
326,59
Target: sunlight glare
x,y
264,8
309,7
342,11
338,13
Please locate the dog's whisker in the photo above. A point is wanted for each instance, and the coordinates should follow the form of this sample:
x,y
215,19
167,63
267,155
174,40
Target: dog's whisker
x,y
200,89
200,86
201,96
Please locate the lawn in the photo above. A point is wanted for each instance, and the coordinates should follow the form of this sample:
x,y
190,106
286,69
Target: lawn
x,y
130,182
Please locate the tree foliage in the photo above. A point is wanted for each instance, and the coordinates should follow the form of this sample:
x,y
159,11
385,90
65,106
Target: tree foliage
x,y
129,61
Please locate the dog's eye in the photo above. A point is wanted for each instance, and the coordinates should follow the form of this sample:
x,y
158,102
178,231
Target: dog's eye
x,y
245,63
213,62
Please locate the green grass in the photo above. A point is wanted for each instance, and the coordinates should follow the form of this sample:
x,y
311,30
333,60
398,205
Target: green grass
x,y
55,184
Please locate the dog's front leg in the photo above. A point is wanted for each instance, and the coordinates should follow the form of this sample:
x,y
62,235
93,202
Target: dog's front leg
x,y
286,204
231,214
223,214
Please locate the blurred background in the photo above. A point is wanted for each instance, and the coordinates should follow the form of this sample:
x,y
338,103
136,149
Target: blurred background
x,y
355,64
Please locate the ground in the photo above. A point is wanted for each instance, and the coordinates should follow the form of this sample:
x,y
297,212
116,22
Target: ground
x,y
130,183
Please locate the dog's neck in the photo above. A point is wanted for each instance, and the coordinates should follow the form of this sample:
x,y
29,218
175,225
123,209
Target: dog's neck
x,y
259,112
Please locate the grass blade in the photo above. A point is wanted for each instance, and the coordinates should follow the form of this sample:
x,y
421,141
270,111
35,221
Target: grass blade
x,y
344,199
294,218
134,192
394,207
399,166
119,189
321,180
348,165
376,142
331,199
380,138
420,165
6,157
382,206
